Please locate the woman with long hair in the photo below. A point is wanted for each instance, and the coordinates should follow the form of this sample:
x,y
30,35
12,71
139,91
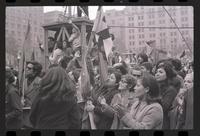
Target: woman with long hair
x,y
165,75
55,107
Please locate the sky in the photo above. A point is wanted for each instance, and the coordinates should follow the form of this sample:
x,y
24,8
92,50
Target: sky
x,y
92,9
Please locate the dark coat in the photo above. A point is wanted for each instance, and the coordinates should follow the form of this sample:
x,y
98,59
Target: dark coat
x,y
60,115
101,119
186,118
55,107
168,94
13,108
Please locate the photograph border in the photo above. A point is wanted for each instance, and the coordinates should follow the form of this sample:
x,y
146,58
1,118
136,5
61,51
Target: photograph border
x,y
194,132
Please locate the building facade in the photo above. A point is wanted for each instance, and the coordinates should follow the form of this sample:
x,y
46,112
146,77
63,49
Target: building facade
x,y
16,27
144,23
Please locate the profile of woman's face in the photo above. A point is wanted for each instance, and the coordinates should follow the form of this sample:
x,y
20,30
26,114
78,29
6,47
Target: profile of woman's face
x,y
160,74
139,89
111,79
188,81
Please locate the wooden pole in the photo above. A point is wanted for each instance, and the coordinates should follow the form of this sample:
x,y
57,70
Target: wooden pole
x,y
46,56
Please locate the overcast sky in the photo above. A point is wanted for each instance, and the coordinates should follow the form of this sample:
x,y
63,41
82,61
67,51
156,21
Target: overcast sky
x,y
92,9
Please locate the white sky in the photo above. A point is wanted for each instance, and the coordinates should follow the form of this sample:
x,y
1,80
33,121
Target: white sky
x,y
92,9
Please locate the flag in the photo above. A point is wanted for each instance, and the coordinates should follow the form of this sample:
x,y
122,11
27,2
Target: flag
x,y
155,53
101,29
22,62
183,54
104,42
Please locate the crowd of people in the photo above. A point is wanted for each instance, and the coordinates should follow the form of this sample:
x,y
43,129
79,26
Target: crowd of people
x,y
139,95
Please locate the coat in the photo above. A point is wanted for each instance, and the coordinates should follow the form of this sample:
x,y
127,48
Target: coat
x,y
30,94
13,108
186,118
168,94
141,116
60,115
101,119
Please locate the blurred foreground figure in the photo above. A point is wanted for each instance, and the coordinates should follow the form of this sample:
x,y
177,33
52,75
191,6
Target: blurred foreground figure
x,y
13,103
56,107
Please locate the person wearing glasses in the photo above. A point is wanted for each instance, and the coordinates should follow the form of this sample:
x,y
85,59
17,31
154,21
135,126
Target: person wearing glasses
x,y
31,88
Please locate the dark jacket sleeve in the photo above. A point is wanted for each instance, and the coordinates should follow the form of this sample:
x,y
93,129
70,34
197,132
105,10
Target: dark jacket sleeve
x,y
15,101
182,115
75,117
34,110
168,98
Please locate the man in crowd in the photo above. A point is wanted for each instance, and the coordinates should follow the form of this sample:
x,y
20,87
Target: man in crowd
x,y
32,83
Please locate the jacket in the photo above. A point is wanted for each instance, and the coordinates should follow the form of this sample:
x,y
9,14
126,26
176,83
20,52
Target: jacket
x,y
47,114
13,108
141,116
168,94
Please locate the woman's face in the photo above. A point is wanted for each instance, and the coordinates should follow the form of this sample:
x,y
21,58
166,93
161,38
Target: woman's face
x,y
111,79
139,89
64,44
188,82
160,74
123,85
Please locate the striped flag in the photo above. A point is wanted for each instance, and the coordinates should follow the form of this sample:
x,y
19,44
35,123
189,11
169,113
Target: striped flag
x,y
105,43
101,29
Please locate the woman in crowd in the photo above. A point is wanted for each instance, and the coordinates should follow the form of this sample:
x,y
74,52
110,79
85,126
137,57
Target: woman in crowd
x,y
145,112
165,75
107,92
13,103
55,107
186,110
142,57
122,97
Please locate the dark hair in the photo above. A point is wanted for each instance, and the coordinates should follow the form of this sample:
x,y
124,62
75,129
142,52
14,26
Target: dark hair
x,y
10,76
59,45
65,61
123,68
131,81
37,67
112,37
57,85
177,64
143,56
170,73
148,66
118,75
149,81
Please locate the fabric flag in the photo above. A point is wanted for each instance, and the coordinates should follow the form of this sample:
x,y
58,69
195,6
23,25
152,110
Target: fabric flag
x,y
156,54
105,43
183,54
22,63
101,29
